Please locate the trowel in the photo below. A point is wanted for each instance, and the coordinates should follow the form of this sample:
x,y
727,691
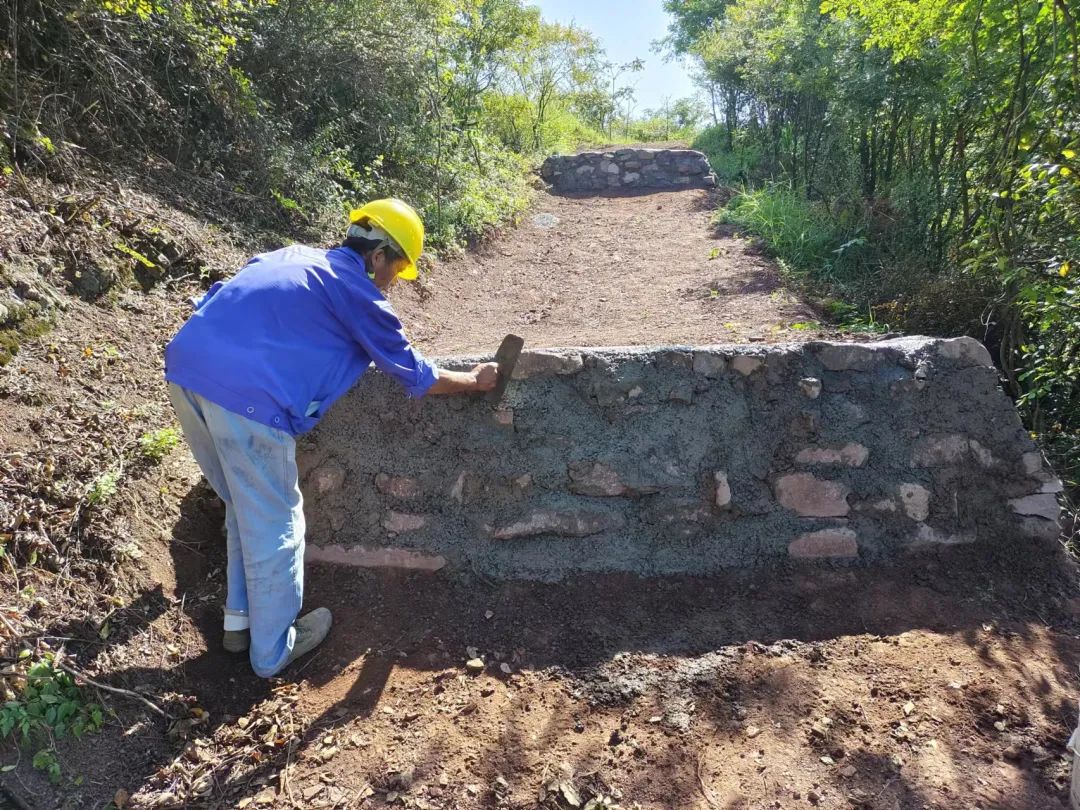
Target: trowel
x,y
506,357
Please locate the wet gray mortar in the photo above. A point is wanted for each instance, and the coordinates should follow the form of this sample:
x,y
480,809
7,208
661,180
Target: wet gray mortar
x,y
665,429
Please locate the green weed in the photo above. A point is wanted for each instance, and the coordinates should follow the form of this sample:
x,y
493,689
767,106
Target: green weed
x,y
743,163
49,706
851,318
154,445
103,487
794,228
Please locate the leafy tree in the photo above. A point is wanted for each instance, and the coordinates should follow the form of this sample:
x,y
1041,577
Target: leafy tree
x,y
933,143
547,69
293,111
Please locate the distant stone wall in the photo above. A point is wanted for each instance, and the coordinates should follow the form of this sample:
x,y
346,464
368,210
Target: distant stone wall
x,y
682,460
629,169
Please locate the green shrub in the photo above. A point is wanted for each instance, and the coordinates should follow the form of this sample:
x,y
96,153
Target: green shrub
x,y
49,705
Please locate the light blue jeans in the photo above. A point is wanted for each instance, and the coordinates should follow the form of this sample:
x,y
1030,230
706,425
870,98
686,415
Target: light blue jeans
x,y
252,468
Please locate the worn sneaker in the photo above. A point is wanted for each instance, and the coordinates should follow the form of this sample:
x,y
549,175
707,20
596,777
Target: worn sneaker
x,y
310,632
236,641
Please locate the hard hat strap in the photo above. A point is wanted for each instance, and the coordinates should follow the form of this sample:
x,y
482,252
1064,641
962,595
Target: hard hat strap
x,y
375,234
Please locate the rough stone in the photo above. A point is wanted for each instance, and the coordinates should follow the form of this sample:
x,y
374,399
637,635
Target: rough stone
x,y
915,499
965,350
457,489
722,496
397,486
982,455
849,356
811,387
1043,505
640,168
812,497
683,392
546,364
327,478
929,536
1032,463
601,480
401,522
1035,467
746,364
824,544
935,451
505,417
576,523
709,364
362,557
679,516
676,358
881,505
851,454
595,478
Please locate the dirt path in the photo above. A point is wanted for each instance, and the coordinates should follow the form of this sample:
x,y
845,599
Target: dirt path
x,y
942,683
606,271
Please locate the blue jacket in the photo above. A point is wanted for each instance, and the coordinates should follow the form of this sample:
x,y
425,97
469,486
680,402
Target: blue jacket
x,y
295,327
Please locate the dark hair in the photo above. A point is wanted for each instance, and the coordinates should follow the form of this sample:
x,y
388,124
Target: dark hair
x,y
365,246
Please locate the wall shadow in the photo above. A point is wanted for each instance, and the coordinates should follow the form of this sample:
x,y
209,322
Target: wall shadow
x,y
387,619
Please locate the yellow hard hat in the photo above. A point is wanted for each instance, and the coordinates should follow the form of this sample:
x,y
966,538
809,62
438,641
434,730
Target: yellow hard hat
x,y
401,222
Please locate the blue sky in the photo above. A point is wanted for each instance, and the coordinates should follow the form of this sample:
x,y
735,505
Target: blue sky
x,y
627,30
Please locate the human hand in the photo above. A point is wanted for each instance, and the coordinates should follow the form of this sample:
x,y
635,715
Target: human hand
x,y
486,376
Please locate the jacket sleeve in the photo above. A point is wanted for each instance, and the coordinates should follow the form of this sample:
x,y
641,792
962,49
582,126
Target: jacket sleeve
x,y
198,303
373,325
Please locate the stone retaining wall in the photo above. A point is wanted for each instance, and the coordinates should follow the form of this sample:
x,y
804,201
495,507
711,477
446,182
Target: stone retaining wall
x,y
628,169
682,460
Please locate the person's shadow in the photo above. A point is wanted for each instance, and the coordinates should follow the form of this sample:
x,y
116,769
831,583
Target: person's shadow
x,y
387,619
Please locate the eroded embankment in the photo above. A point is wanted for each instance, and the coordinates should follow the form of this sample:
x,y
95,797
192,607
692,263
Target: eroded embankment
x,y
682,460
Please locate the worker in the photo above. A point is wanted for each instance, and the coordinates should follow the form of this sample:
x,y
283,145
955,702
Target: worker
x,y
259,362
